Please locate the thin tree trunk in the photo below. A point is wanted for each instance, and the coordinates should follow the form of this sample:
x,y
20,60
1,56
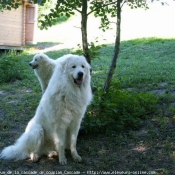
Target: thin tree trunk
x,y
116,49
84,31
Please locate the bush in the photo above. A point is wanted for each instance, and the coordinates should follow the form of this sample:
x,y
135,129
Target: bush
x,y
118,110
10,68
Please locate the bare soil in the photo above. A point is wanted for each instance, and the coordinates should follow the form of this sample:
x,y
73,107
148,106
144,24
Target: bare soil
x,y
149,150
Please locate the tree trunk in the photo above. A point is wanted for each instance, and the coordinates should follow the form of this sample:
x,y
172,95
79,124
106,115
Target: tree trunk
x,y
84,17
116,49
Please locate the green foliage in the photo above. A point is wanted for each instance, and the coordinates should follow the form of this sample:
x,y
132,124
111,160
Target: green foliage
x,y
9,4
10,68
93,49
137,4
44,10
104,9
118,110
62,10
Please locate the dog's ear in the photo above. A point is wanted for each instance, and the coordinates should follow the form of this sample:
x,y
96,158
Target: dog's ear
x,y
64,62
63,66
89,67
90,70
43,57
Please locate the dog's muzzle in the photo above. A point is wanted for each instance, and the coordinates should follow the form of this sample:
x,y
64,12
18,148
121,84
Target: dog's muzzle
x,y
33,66
79,79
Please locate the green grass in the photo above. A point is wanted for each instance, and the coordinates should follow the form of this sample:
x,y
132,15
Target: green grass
x,y
143,65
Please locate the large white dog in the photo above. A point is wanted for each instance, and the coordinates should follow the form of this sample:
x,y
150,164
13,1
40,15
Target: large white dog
x,y
44,66
57,119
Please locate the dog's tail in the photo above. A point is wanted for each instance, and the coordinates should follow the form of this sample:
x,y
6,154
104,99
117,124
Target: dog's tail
x,y
17,151
28,143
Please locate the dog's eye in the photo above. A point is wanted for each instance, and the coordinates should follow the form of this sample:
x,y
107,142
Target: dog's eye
x,y
73,66
83,66
35,59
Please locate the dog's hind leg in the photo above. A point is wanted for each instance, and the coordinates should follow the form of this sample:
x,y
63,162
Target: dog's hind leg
x,y
35,141
35,154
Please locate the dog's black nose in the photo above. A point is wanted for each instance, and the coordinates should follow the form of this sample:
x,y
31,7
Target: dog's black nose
x,y
80,74
30,64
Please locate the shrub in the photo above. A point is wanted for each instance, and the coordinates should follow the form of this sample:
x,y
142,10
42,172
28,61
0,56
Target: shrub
x,y
10,68
118,109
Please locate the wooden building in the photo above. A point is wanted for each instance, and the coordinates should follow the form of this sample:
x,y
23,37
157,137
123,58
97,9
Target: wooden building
x,y
18,26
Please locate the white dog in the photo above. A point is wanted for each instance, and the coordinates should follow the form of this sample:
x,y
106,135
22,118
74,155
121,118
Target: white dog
x,y
44,66
58,116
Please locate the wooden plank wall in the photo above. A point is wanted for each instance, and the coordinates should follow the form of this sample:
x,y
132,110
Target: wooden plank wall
x,y
12,27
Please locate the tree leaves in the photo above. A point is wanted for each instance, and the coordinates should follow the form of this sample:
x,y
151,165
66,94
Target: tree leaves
x,y
137,4
9,4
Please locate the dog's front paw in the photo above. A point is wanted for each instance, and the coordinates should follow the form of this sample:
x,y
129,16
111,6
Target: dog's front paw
x,y
63,161
77,158
52,154
34,157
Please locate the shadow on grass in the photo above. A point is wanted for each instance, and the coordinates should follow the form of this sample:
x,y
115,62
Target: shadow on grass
x,y
142,63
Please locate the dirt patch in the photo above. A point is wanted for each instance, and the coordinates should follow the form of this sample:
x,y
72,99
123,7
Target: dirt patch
x,y
149,149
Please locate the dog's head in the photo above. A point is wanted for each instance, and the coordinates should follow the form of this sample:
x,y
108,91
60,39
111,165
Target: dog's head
x,y
77,69
37,60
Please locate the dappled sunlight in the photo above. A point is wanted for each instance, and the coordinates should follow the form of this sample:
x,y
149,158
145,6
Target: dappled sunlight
x,y
140,148
43,47
56,47
103,151
158,21
172,155
97,72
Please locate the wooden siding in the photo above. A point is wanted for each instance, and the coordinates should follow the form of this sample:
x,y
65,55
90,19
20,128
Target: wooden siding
x,y
12,27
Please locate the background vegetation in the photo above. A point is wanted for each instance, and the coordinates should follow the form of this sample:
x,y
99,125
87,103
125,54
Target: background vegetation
x,y
44,9
137,114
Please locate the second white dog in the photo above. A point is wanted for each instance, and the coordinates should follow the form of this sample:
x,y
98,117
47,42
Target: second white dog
x,y
44,66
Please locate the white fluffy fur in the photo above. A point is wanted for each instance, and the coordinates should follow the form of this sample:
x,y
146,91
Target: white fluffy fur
x,y
44,66
57,119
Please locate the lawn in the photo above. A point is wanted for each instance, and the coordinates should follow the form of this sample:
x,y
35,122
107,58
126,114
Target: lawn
x,y
143,65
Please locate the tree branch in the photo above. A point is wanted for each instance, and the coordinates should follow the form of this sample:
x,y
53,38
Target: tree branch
x,y
101,7
123,3
77,27
69,5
